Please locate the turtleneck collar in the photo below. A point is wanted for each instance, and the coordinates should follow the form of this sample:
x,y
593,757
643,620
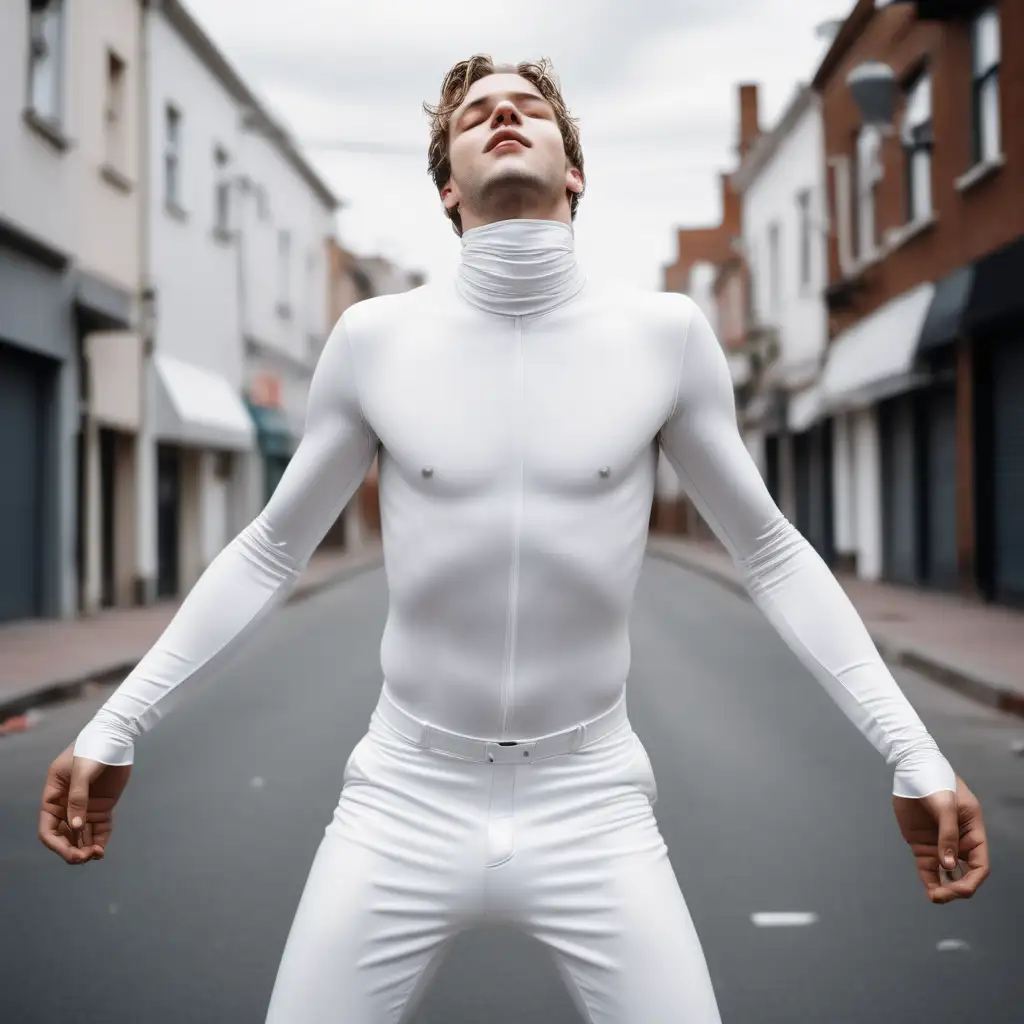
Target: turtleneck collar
x,y
519,267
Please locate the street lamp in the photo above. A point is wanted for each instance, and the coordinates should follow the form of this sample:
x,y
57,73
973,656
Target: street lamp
x,y
873,87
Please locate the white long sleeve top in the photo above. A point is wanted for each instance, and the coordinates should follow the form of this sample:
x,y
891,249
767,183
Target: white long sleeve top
x,y
518,411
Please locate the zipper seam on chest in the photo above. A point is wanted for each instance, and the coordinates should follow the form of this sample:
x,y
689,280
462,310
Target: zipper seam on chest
x,y
512,621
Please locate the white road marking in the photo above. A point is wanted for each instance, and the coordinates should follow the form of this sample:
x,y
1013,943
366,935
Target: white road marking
x,y
783,918
257,782
946,944
112,908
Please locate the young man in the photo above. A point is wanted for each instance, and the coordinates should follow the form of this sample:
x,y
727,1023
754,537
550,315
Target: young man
x,y
518,413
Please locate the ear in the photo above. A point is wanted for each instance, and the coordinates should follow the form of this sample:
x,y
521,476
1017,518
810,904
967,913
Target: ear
x,y
573,180
450,194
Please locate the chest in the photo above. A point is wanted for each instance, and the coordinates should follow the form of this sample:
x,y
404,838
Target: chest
x,y
562,406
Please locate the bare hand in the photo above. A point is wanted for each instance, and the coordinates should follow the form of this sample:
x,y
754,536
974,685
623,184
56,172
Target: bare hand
x,y
76,816
947,826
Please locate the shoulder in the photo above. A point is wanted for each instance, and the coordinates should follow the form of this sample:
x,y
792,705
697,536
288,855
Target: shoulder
x,y
382,313
670,311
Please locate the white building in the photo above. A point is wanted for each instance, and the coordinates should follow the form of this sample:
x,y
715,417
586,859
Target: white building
x,y
237,224
283,216
69,260
782,186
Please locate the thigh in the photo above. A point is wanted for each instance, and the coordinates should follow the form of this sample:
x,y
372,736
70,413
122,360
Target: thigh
x,y
353,955
628,949
377,911
603,898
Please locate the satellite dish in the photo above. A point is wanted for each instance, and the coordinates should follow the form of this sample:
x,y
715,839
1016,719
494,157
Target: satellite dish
x,y
873,87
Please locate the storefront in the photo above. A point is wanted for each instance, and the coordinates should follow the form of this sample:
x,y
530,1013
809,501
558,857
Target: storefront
x,y
973,340
276,443
38,402
872,366
994,322
202,428
811,445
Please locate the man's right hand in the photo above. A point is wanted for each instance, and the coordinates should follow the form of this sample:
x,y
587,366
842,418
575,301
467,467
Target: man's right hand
x,y
76,816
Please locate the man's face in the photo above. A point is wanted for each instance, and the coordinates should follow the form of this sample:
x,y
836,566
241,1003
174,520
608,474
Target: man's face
x,y
528,172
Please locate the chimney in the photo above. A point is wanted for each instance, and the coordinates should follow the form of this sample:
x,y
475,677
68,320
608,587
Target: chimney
x,y
749,125
731,207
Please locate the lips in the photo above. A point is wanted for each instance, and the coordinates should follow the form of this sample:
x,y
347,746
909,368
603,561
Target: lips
x,y
505,135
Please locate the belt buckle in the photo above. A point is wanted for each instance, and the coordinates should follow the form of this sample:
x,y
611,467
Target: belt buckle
x,y
510,751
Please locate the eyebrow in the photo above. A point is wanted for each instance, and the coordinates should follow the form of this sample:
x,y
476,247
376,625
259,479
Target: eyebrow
x,y
480,101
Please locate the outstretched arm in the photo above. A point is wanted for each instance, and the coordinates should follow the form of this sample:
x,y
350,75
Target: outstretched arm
x,y
784,575
255,571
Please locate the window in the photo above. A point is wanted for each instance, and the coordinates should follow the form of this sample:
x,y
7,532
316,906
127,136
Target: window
x,y
803,206
868,167
222,192
262,203
985,47
774,267
172,157
284,255
46,60
916,136
113,114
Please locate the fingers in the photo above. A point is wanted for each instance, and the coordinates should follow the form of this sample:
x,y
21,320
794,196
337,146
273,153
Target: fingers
x,y
948,844
58,808
55,834
78,792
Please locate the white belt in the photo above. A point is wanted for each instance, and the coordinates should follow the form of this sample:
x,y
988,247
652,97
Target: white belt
x,y
424,734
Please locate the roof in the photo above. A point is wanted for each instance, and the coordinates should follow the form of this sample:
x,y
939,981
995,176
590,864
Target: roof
x,y
257,115
863,11
768,142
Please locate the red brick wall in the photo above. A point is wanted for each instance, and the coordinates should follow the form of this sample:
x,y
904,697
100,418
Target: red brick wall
x,y
968,224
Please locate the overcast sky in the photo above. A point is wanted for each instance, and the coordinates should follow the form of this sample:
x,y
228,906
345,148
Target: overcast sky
x,y
653,83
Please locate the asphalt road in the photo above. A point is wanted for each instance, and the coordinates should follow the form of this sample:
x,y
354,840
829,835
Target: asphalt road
x,y
769,800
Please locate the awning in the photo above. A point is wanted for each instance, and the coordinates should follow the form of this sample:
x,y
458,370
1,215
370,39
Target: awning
x,y
805,408
875,357
997,298
944,320
197,407
273,429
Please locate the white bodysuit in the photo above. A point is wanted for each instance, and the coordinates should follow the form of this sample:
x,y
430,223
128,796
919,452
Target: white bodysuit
x,y
518,413
518,417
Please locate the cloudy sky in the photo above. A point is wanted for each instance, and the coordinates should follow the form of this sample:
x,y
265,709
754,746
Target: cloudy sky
x,y
653,83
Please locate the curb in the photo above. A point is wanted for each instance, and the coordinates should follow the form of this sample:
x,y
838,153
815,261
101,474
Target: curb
x,y
985,691
16,704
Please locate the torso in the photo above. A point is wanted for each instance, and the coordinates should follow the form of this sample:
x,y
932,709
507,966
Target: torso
x,y
517,468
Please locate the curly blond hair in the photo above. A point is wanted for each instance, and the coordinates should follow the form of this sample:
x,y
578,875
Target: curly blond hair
x,y
456,85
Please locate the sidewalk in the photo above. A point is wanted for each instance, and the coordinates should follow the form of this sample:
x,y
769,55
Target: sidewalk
x,y
45,659
974,648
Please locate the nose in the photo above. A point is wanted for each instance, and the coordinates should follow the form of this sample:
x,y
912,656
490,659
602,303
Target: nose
x,y
505,113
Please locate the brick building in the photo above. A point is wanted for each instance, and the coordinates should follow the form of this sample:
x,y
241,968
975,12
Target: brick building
x,y
710,269
924,376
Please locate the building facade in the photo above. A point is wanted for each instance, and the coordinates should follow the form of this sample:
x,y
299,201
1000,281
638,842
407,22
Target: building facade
x,y
69,259
781,183
707,258
924,375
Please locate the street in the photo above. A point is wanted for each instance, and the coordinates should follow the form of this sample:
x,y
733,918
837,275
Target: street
x,y
769,801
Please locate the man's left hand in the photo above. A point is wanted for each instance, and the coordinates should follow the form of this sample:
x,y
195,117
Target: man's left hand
x,y
947,826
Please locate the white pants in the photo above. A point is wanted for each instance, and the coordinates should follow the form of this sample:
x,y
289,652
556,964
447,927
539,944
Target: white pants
x,y
424,844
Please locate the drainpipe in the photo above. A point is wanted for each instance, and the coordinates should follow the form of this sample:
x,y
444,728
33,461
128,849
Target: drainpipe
x,y
145,453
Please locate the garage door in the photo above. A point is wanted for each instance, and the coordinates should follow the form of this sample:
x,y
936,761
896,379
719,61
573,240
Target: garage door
x,y
899,490
23,380
940,469
1008,470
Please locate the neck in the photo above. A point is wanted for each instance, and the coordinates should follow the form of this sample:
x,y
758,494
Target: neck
x,y
519,267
